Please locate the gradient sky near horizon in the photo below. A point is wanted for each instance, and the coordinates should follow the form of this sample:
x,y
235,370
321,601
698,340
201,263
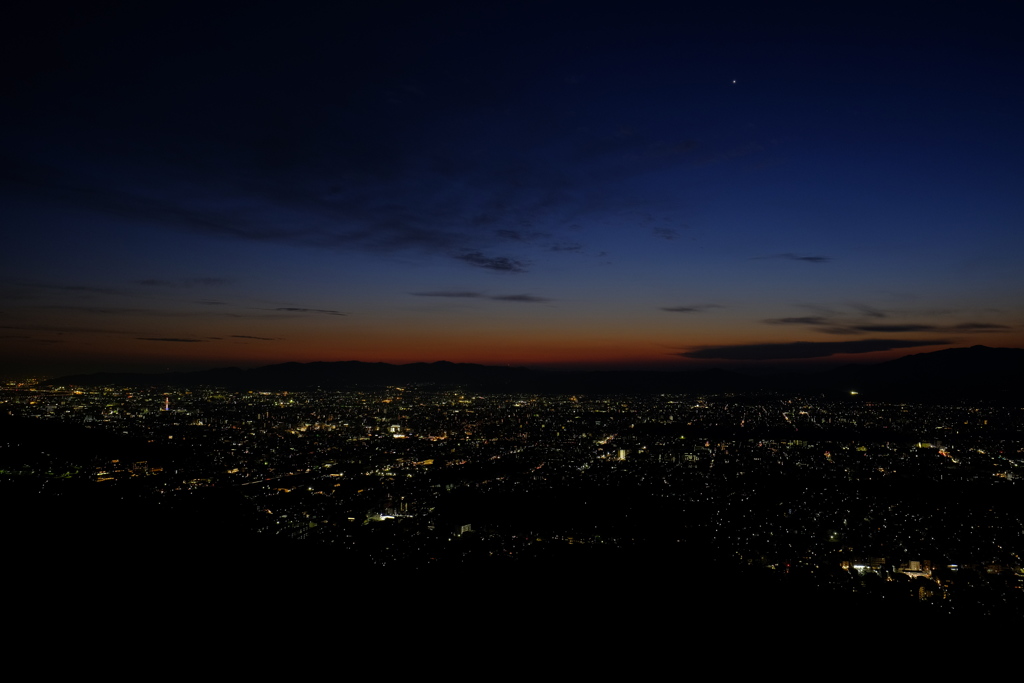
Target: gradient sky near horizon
x,y
191,185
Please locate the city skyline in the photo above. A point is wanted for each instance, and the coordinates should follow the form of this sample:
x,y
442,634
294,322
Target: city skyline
x,y
524,184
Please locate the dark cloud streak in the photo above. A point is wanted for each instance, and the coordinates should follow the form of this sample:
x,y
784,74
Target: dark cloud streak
x,y
807,320
186,282
451,295
978,327
499,263
803,350
690,309
522,298
169,339
834,325
296,309
796,257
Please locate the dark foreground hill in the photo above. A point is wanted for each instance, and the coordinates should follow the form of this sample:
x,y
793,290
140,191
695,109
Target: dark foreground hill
x,y
974,373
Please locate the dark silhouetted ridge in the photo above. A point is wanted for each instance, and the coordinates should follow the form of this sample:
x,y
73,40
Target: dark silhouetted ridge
x,y
978,372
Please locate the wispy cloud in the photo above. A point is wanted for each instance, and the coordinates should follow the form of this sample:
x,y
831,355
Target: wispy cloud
x,y
451,295
136,311
700,308
81,288
908,327
521,235
869,311
805,320
84,289
979,327
524,298
249,336
840,325
62,329
500,263
34,340
296,309
789,256
169,339
185,282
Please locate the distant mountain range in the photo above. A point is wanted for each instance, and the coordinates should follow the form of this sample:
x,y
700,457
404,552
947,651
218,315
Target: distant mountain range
x,y
978,372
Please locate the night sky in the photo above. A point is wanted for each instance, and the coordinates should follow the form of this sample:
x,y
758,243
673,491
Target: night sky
x,y
192,185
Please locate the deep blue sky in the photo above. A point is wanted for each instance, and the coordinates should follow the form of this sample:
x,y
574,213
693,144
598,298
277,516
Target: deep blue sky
x,y
194,184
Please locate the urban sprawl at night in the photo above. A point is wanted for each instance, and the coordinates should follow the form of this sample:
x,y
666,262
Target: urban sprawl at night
x,y
917,504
